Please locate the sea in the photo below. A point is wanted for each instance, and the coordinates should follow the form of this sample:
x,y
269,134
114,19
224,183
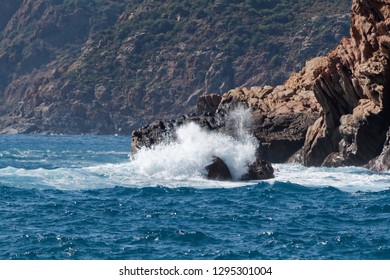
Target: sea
x,y
84,197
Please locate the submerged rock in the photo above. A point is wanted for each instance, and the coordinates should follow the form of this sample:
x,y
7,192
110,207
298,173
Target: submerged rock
x,y
259,170
218,170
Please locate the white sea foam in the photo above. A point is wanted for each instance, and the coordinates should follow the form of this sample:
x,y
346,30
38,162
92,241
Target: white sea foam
x,y
126,174
349,179
182,164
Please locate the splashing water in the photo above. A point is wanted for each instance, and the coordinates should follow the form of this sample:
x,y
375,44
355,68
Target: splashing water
x,y
192,152
106,207
194,148
240,121
94,162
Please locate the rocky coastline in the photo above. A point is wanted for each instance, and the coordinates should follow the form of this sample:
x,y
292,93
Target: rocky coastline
x,y
334,112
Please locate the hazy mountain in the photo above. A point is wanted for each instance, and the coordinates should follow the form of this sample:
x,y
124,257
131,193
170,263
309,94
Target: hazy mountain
x,y
93,66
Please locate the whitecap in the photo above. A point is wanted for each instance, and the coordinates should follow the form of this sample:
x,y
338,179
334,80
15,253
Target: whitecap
x,y
351,179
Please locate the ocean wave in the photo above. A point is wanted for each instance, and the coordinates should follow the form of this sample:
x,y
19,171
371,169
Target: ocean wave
x,y
128,174
349,179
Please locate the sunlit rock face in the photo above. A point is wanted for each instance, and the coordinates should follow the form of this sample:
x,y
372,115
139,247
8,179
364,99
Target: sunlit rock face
x,y
353,89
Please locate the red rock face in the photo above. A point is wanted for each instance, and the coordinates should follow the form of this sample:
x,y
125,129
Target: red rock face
x,y
353,89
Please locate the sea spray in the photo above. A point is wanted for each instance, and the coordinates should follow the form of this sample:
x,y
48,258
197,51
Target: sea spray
x,y
194,147
239,122
101,162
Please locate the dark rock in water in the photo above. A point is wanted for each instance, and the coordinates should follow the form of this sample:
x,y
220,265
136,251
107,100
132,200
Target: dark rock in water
x,y
382,162
218,170
259,170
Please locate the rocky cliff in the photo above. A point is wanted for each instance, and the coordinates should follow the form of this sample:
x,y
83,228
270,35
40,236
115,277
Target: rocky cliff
x,y
39,41
281,116
105,67
353,89
334,112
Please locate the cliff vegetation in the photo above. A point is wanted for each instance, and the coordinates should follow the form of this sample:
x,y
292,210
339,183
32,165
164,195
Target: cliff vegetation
x,y
105,67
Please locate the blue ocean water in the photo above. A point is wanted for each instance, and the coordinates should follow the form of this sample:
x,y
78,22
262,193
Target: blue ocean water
x,y
84,197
